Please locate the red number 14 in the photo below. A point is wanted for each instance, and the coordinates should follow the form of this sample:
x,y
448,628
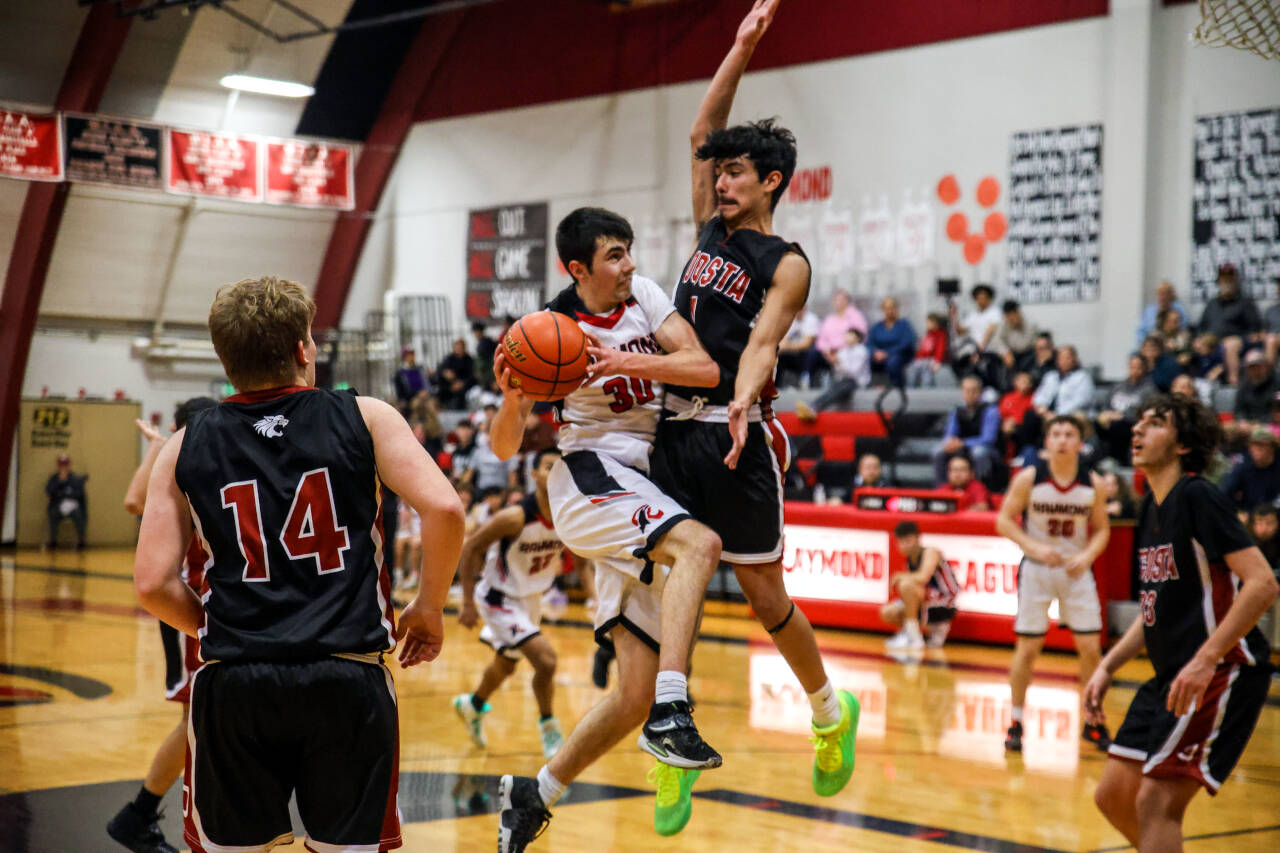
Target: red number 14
x,y
310,529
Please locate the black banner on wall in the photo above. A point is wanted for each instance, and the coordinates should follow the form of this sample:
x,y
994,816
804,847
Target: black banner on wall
x,y
102,150
1055,214
1235,215
506,261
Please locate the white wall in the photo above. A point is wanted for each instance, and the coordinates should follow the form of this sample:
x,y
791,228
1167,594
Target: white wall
x,y
885,123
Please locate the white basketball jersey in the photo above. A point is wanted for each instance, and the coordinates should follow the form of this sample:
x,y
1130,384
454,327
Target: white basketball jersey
x,y
616,415
527,563
1057,515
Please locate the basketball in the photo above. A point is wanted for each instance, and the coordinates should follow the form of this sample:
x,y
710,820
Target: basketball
x,y
547,355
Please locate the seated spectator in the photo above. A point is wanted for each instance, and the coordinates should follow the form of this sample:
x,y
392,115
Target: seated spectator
x,y
1234,319
1166,300
1271,328
931,355
974,427
463,449
1015,339
927,593
456,375
1115,423
970,493
831,334
1161,367
1044,360
1263,527
798,359
972,335
408,381
1205,359
852,371
1253,397
1175,336
891,343
1195,388
485,348
870,473
1067,390
1120,500
1255,479
1019,423
67,502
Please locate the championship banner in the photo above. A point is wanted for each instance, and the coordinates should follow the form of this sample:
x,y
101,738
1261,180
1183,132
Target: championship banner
x,y
222,165
310,174
30,146
506,261
117,152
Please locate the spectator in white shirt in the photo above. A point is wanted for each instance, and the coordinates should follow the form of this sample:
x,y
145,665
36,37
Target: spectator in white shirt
x,y
797,356
1067,390
852,371
979,325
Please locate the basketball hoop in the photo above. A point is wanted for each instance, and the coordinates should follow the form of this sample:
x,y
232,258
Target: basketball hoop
x,y
1252,25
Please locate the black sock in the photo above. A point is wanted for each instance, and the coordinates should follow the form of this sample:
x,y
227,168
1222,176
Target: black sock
x,y
146,802
477,702
546,717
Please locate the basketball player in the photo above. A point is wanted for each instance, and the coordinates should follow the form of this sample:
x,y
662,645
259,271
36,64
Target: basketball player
x,y
281,485
927,591
1065,527
136,826
607,510
1186,727
719,452
522,554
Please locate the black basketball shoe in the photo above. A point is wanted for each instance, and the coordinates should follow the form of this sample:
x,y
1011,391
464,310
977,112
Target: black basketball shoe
x,y
522,816
670,736
1013,742
139,832
1096,735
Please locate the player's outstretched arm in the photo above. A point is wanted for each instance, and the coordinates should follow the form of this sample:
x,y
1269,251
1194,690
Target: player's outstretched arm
x,y
1123,651
135,496
503,525
411,473
162,543
784,299
506,433
1015,503
713,114
685,362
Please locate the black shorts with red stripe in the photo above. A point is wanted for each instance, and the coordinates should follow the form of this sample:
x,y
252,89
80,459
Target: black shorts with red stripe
x,y
326,730
744,504
1203,744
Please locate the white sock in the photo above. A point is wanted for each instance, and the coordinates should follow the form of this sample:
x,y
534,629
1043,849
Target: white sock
x,y
671,686
912,627
550,789
826,706
1016,713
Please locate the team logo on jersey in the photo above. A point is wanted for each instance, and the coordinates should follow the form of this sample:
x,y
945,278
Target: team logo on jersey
x,y
645,514
272,426
1188,755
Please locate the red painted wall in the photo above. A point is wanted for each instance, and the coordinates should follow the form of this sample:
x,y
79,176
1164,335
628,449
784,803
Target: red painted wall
x,y
516,53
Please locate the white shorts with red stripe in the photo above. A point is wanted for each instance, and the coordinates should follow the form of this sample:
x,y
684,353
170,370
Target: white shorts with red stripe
x,y
510,621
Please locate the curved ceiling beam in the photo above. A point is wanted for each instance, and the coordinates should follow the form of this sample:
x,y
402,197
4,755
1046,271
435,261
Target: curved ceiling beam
x,y
101,38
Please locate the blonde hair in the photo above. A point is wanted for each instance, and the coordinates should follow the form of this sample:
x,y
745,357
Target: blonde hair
x,y
256,325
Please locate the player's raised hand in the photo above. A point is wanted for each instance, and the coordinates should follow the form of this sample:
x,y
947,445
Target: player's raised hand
x,y
1187,690
756,22
738,432
1097,687
149,432
467,614
421,634
502,374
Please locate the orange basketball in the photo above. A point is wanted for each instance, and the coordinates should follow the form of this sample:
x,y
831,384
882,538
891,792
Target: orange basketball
x,y
547,355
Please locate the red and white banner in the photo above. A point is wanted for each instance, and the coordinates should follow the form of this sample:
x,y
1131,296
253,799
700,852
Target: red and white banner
x,y
986,568
310,174
30,146
836,564
222,165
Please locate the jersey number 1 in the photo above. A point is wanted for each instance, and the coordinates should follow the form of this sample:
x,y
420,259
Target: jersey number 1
x,y
310,529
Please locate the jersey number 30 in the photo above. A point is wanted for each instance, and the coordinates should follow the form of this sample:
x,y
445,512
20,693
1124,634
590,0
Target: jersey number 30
x,y
639,393
310,529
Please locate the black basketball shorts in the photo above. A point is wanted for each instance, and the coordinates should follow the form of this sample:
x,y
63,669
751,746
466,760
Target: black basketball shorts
x,y
1203,744
258,732
743,505
181,660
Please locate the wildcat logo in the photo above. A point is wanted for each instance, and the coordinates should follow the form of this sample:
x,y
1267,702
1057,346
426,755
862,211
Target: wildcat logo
x,y
645,514
272,426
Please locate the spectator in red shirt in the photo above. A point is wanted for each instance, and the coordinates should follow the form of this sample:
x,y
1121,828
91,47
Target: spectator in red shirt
x,y
931,355
970,493
1019,423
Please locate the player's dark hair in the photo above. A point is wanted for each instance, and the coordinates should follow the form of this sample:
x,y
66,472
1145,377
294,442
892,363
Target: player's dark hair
x,y
771,147
489,492
905,529
1073,420
184,410
546,451
1195,425
577,234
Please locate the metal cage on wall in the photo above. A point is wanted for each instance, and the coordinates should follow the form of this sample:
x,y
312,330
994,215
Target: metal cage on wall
x,y
356,358
425,324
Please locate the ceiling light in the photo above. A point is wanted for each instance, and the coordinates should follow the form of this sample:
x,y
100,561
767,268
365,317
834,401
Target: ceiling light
x,y
264,86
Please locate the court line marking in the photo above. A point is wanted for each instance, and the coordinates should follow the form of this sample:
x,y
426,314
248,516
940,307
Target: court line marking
x,y
1225,833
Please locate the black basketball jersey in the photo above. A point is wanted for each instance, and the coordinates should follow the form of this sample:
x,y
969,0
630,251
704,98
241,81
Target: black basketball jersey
x,y
942,588
285,497
1185,587
721,292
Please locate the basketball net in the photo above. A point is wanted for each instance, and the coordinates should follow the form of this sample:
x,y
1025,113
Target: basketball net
x,y
1252,25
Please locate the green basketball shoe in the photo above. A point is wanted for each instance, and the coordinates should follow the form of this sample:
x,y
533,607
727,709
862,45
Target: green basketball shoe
x,y
673,806
833,748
